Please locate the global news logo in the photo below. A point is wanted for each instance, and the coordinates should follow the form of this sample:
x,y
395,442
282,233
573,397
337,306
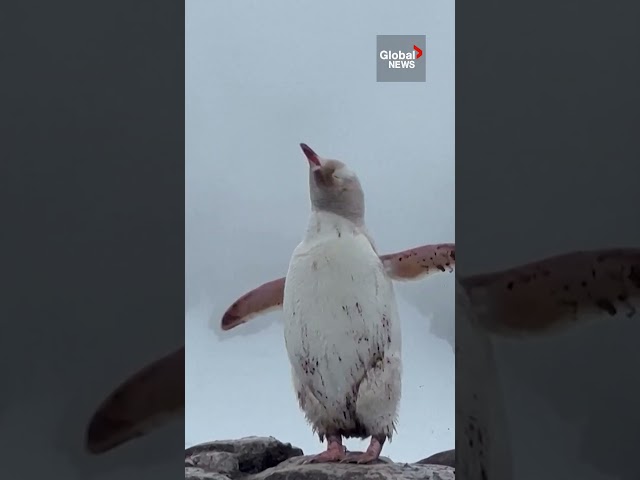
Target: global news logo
x,y
400,58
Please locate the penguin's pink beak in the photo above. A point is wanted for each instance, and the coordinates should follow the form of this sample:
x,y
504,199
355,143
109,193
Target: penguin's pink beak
x,y
312,157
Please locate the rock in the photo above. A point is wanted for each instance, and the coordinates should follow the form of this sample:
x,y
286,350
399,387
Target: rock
x,y
236,457
191,473
266,458
221,462
448,458
293,469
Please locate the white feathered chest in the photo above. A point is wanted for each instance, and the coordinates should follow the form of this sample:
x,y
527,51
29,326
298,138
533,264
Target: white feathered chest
x,y
339,308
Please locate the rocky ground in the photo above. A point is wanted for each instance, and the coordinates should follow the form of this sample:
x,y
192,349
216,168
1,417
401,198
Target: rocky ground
x,y
266,458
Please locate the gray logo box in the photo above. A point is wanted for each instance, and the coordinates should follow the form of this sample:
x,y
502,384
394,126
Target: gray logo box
x,y
393,64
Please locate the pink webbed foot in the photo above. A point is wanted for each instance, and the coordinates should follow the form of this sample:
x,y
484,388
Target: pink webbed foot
x,y
371,455
335,451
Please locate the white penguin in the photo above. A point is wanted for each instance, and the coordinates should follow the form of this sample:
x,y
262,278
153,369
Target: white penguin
x,y
342,330
341,326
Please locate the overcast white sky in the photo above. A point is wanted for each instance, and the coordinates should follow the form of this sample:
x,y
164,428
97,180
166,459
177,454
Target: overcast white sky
x,y
305,72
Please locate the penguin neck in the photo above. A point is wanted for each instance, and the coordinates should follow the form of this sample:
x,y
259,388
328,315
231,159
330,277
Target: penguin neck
x,y
323,224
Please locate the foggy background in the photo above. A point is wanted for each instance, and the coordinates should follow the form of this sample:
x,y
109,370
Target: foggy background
x,y
261,77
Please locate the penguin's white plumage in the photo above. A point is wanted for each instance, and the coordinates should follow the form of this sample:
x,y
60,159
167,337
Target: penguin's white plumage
x,y
341,321
342,331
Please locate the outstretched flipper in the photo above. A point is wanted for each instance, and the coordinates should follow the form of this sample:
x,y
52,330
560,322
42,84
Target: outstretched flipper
x,y
557,292
418,262
265,298
406,265
144,402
